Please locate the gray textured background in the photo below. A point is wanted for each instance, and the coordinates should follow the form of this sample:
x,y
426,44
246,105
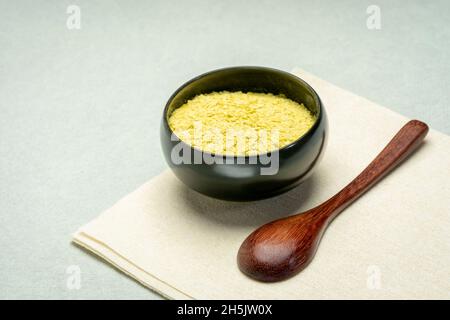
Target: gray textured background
x,y
80,109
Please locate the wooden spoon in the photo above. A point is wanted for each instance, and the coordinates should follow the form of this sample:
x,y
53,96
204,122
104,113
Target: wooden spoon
x,y
282,248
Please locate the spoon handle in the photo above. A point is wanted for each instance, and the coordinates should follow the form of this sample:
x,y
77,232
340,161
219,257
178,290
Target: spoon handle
x,y
404,143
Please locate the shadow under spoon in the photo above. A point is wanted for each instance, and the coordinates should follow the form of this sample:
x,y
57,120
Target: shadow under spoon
x,y
282,248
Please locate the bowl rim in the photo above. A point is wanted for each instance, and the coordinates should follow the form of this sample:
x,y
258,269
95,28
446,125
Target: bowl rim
x,y
301,140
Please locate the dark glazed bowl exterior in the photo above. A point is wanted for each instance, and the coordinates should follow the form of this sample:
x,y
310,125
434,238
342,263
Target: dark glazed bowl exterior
x,y
243,182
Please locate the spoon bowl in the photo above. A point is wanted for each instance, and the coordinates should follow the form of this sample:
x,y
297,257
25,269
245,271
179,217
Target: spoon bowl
x,y
282,248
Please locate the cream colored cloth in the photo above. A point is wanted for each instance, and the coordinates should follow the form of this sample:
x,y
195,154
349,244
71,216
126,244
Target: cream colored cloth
x,y
394,242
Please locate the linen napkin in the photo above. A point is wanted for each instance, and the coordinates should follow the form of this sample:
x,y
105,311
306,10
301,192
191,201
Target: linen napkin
x,y
392,243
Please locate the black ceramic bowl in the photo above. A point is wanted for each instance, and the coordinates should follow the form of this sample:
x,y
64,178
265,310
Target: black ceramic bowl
x,y
243,181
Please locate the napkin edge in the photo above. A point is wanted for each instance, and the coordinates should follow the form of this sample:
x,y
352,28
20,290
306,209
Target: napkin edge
x,y
84,241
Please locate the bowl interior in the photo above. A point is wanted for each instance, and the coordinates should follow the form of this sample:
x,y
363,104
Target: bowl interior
x,y
247,79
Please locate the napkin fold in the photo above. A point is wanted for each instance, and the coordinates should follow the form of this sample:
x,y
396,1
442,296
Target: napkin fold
x,y
392,243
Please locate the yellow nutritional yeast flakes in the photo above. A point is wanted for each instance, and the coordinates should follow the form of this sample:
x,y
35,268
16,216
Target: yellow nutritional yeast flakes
x,y
237,123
